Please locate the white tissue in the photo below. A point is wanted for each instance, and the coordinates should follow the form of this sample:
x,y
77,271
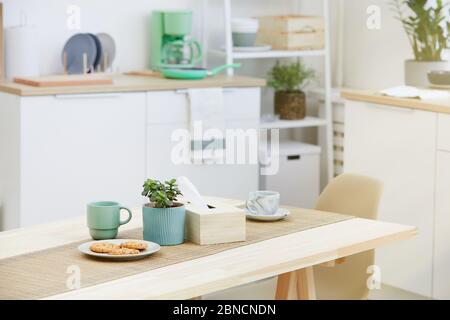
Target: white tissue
x,y
190,192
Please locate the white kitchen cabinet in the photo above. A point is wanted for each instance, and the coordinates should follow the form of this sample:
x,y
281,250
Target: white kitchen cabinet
x,y
398,147
75,149
59,152
441,266
169,111
444,132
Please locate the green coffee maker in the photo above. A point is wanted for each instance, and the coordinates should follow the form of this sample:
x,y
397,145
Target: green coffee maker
x,y
171,45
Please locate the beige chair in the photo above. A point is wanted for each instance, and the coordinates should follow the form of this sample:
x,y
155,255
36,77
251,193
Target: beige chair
x,y
344,279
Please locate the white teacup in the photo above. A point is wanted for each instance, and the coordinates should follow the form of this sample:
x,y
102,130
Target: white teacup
x,y
263,202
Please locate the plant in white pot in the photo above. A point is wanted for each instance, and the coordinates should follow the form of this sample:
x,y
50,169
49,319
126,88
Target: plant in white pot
x,y
163,217
287,80
426,33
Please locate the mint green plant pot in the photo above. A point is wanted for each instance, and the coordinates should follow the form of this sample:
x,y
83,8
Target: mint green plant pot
x,y
165,226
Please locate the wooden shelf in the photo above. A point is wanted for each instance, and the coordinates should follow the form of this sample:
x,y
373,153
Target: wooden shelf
x,y
273,54
286,124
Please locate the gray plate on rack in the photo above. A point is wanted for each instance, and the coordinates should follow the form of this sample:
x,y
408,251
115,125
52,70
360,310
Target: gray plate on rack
x,y
108,46
99,54
75,47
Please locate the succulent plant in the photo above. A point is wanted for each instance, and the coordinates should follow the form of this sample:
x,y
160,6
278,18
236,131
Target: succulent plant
x,y
161,194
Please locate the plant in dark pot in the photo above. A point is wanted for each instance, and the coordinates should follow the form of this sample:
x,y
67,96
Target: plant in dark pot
x,y
287,80
425,25
163,217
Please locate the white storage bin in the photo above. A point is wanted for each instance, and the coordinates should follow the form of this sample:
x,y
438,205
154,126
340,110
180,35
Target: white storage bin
x,y
298,177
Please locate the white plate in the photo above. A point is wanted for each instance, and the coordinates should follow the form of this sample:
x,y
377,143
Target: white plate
x,y
281,214
151,248
257,48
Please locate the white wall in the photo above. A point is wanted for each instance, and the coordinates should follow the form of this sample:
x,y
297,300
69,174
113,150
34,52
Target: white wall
x,y
373,59
126,21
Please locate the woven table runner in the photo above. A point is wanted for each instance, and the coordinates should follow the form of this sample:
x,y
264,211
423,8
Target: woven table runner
x,y
44,273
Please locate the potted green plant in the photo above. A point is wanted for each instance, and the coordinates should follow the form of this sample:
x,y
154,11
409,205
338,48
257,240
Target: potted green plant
x,y
425,28
287,80
163,217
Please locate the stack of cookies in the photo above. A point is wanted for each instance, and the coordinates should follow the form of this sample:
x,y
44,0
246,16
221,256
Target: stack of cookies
x,y
129,247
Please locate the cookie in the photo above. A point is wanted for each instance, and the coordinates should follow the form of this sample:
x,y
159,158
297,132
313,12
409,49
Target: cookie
x,y
134,245
103,247
121,251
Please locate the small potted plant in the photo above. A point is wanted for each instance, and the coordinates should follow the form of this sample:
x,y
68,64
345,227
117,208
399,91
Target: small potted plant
x,y
163,217
425,29
287,81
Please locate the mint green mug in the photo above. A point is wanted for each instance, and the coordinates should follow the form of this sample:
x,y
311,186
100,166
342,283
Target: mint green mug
x,y
103,219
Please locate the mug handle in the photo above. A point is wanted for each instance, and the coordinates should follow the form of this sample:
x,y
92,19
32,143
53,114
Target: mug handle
x,y
251,207
129,216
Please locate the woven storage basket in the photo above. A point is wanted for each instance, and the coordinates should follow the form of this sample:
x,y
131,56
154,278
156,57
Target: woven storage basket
x,y
290,105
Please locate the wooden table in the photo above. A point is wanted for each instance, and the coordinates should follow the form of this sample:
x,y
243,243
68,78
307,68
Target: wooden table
x,y
186,280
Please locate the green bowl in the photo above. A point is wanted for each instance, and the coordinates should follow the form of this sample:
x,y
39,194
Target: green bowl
x,y
244,39
440,78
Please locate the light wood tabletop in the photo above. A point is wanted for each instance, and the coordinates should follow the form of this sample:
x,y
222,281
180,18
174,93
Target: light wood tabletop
x,y
215,272
130,83
434,105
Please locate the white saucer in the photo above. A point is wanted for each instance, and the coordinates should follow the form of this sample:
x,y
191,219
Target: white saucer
x,y
151,248
281,214
256,48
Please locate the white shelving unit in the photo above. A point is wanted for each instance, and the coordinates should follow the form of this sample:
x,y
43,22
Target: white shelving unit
x,y
272,54
326,121
291,124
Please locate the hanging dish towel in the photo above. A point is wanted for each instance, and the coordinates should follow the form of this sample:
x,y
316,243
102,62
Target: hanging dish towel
x,y
207,123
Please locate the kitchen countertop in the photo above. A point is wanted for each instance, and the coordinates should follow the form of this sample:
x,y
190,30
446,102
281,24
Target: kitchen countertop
x,y
128,83
438,105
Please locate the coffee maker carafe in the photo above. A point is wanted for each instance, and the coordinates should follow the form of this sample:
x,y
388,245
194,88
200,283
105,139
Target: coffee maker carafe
x,y
171,42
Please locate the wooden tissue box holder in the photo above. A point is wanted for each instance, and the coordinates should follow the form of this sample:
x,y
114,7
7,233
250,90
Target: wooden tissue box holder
x,y
221,223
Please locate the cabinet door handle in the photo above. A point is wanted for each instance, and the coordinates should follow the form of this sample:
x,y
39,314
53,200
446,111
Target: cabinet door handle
x,y
294,157
392,108
186,91
88,96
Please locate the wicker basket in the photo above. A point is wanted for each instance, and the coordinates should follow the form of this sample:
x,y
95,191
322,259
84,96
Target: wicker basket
x,y
290,105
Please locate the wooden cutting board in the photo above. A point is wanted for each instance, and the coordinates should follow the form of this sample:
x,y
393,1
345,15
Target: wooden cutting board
x,y
64,80
144,73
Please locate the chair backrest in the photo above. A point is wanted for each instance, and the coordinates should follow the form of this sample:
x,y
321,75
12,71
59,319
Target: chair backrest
x,y
351,194
358,196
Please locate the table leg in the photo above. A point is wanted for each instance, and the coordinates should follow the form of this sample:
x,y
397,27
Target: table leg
x,y
332,263
306,289
296,285
286,289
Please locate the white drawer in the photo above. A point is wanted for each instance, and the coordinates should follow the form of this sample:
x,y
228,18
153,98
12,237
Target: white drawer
x,y
444,132
173,106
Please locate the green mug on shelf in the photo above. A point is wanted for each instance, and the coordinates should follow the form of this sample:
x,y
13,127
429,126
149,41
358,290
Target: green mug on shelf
x,y
103,219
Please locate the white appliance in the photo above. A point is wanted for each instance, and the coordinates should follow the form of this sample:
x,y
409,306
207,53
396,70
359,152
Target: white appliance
x,y
298,177
21,51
